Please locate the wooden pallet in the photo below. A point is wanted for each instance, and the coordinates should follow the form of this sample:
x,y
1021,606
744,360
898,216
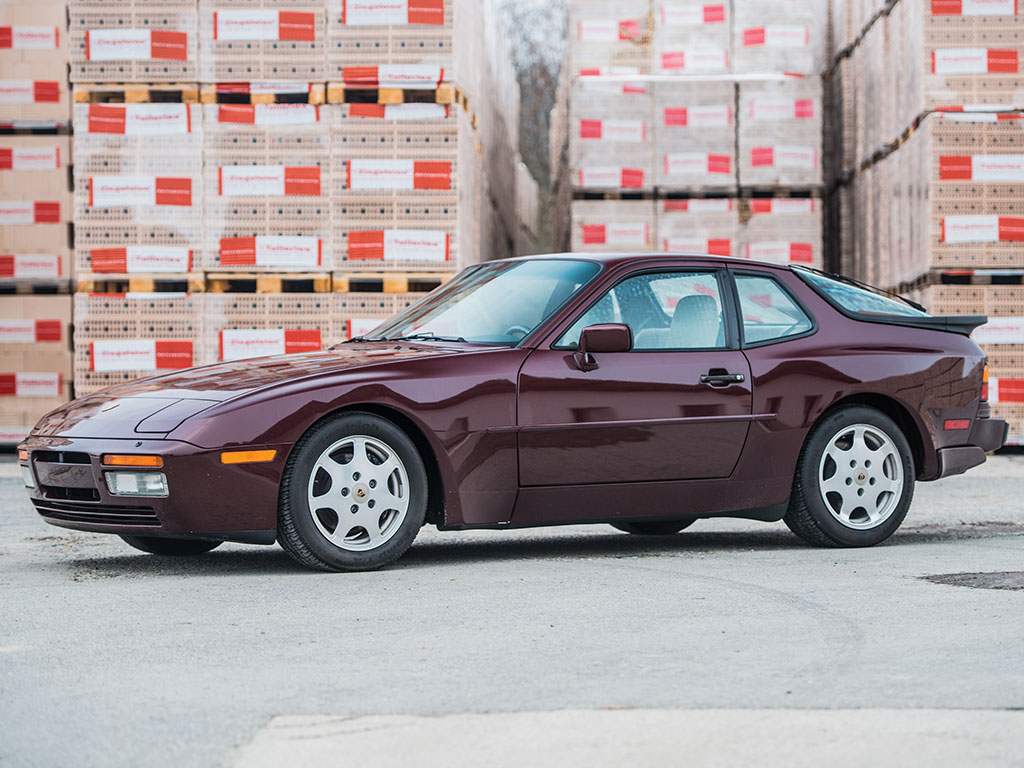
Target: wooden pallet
x,y
34,287
19,127
638,194
784,193
258,282
136,93
384,282
975,277
232,93
341,93
98,282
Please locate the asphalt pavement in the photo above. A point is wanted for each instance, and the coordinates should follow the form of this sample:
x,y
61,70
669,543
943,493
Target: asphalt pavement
x,y
729,643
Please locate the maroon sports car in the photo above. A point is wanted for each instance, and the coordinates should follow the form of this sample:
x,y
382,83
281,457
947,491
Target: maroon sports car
x,y
643,391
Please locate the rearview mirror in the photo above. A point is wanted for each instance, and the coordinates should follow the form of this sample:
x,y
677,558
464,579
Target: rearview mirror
x,y
603,338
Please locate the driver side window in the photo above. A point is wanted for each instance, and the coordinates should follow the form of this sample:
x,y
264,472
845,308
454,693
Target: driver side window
x,y
668,310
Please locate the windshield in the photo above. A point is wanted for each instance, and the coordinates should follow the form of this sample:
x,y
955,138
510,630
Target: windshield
x,y
858,297
494,303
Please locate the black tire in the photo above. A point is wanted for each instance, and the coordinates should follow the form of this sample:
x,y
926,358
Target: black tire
x,y
159,545
811,517
655,527
297,532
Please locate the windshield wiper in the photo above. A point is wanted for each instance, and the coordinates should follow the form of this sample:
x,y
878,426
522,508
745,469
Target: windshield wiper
x,y
426,337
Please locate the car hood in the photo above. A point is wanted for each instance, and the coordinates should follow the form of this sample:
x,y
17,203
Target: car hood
x,y
160,403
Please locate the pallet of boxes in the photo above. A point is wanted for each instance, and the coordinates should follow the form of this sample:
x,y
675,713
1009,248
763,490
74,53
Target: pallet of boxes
x,y
35,208
929,99
694,127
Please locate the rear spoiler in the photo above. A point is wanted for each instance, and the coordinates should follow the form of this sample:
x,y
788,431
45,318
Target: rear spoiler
x,y
962,324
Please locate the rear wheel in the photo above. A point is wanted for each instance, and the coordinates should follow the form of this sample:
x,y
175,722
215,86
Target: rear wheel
x,y
655,527
854,480
353,495
158,545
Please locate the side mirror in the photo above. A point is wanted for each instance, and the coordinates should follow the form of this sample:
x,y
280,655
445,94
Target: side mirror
x,y
606,337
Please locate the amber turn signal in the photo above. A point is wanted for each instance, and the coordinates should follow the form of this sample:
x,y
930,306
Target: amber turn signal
x,y
22,454
247,457
130,460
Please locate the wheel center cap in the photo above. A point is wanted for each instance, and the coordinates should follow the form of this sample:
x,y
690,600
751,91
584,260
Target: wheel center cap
x,y
361,492
861,477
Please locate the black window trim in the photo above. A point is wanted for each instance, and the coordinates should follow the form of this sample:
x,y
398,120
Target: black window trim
x,y
745,272
726,291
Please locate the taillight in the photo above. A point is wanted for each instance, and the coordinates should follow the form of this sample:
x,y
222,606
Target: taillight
x,y
984,384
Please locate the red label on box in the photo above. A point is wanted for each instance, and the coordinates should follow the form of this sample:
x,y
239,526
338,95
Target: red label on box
x,y
719,246
46,91
673,60
237,251
719,164
173,191
955,167
237,113
753,36
426,12
590,129
46,212
296,25
1002,61
761,156
431,175
49,330
30,384
366,244
104,118
301,180
714,14
593,234
167,44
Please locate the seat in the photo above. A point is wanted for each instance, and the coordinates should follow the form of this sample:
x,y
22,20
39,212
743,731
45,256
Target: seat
x,y
696,324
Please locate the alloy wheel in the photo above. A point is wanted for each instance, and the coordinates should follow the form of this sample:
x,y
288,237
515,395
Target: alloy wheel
x,y
860,476
358,493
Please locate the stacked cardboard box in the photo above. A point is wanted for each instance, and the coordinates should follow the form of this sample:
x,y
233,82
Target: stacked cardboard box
x,y
262,40
34,57
35,360
133,41
35,208
931,165
670,101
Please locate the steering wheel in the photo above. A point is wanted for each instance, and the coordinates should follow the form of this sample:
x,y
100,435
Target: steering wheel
x,y
517,331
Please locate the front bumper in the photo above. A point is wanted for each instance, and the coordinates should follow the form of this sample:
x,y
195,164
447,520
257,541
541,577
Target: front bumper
x,y
986,435
206,498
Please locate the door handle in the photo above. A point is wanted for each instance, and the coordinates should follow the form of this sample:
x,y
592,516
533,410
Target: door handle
x,y
718,379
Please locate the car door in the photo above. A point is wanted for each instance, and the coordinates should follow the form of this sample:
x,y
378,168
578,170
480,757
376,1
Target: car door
x,y
675,407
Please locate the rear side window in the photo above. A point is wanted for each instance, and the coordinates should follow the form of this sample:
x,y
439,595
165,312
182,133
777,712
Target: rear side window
x,y
858,298
767,311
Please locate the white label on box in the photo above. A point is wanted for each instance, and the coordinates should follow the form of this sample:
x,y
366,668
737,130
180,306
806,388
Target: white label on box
x,y
17,331
685,14
775,251
123,355
241,343
157,119
37,384
294,251
17,92
286,114
702,163
239,180
712,116
627,233
255,24
34,38
997,168
970,229
789,156
698,205
381,174
35,159
17,212
141,259
772,109
415,244
122,190
360,326
1000,330
116,44
598,31
409,76
10,434
614,130
960,61
781,206
415,111
786,36
371,13
988,7
35,266
699,59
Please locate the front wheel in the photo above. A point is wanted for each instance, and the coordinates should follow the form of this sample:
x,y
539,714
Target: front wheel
x,y
158,545
854,480
353,495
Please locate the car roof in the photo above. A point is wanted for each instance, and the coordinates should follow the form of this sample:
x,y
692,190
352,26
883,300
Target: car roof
x,y
610,260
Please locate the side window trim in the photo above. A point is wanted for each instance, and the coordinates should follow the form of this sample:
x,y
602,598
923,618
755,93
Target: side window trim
x,y
726,290
738,311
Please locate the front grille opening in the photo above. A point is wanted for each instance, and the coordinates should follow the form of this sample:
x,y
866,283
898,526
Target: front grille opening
x,y
70,494
61,457
106,514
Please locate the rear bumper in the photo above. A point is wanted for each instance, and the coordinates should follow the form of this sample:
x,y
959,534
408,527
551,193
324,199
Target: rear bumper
x,y
206,498
987,435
